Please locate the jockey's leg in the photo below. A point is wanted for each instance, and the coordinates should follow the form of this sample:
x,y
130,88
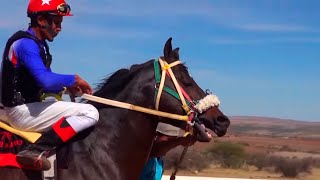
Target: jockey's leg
x,y
75,118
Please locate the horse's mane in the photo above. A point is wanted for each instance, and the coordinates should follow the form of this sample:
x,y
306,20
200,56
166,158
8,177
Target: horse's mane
x,y
114,83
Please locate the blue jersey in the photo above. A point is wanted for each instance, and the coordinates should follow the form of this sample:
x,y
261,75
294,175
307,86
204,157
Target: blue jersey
x,y
26,52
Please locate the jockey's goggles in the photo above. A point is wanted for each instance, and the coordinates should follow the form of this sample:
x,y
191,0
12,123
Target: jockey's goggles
x,y
62,10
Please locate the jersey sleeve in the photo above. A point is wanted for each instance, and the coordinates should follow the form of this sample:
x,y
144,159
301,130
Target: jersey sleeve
x,y
28,55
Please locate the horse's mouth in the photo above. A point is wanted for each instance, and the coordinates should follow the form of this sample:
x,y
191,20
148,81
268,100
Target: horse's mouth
x,y
202,134
209,132
219,126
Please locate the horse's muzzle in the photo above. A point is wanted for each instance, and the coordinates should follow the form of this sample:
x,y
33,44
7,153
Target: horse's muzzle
x,y
221,125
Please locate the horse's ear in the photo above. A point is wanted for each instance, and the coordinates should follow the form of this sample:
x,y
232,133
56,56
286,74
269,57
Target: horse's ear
x,y
175,54
167,49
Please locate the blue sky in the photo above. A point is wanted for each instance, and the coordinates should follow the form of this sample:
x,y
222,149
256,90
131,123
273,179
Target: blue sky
x,y
260,57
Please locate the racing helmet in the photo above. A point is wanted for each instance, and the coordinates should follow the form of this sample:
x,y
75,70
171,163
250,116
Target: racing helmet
x,y
55,7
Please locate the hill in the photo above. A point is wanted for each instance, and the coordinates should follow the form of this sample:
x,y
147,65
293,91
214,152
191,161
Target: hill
x,y
265,126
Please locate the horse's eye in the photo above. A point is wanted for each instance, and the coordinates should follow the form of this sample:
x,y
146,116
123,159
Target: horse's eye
x,y
186,82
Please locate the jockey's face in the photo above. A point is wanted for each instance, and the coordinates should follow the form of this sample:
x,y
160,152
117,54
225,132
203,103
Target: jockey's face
x,y
50,26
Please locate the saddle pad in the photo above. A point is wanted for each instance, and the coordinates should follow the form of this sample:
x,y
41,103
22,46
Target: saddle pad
x,y
29,136
8,159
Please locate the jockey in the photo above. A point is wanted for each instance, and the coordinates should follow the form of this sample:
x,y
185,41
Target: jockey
x,y
27,79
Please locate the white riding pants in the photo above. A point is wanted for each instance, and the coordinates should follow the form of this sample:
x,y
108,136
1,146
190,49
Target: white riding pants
x,y
39,116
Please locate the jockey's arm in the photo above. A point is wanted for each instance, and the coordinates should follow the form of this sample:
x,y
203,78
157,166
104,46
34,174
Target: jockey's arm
x,y
26,51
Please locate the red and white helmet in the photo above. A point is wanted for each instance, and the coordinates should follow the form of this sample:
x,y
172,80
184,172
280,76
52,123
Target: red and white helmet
x,y
56,7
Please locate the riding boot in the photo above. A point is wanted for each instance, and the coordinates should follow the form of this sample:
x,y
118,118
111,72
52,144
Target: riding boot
x,y
35,156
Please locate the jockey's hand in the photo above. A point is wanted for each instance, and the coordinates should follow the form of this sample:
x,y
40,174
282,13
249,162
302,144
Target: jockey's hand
x,y
72,91
81,86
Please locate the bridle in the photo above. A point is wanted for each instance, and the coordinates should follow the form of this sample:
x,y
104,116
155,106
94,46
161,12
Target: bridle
x,y
191,107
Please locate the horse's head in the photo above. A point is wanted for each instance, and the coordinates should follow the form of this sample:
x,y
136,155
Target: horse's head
x,y
186,97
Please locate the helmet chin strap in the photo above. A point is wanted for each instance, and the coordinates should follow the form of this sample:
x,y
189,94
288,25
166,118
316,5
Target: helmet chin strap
x,y
49,30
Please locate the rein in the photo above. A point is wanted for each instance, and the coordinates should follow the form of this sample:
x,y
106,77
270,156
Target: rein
x,y
165,67
207,102
174,173
201,106
133,107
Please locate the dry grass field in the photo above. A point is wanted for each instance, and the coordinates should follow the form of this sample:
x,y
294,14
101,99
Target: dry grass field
x,y
250,173
267,136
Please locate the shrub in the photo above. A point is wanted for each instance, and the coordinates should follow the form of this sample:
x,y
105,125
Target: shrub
x,y
259,160
193,160
316,162
228,155
293,166
289,167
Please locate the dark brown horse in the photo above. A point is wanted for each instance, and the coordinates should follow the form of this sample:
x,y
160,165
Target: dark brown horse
x,y
120,143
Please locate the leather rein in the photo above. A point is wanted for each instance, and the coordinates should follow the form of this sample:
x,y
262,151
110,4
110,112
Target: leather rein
x,y
190,107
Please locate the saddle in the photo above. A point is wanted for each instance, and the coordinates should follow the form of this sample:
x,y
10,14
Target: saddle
x,y
13,141
29,136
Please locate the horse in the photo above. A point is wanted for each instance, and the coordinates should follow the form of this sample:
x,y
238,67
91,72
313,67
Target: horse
x,y
119,145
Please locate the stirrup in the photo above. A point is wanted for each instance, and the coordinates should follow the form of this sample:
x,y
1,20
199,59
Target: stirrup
x,y
44,153
40,163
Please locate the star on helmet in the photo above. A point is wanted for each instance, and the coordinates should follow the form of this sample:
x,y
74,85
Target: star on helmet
x,y
45,2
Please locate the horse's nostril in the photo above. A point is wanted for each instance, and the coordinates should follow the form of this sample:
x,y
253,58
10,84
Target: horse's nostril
x,y
223,118
221,125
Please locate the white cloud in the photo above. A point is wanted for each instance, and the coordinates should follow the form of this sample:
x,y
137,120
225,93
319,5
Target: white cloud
x,y
230,15
238,41
275,28
227,14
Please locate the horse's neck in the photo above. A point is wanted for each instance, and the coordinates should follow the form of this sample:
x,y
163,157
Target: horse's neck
x,y
8,173
116,149
120,144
